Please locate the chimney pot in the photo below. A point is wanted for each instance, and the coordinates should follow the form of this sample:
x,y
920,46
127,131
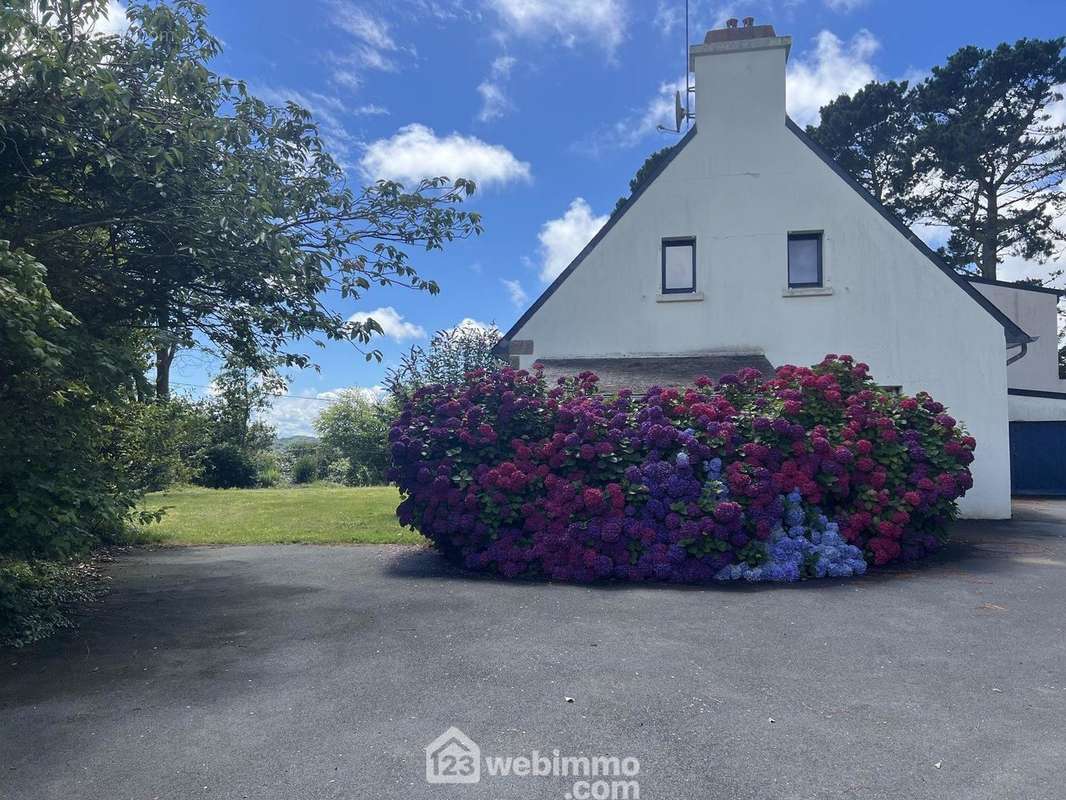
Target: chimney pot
x,y
732,33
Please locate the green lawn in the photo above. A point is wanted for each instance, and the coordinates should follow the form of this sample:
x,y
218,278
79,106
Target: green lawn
x,y
316,514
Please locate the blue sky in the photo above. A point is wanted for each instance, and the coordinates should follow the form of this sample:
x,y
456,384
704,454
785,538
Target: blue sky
x,y
550,105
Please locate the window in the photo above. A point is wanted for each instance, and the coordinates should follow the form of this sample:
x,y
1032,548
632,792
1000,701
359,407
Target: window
x,y
804,260
679,266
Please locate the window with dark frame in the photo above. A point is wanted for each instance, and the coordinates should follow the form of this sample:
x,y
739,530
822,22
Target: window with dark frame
x,y
679,265
804,260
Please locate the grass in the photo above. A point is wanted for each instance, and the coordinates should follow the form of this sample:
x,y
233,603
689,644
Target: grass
x,y
315,514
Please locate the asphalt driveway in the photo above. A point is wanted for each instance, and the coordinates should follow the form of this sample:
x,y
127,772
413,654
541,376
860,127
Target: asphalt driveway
x,y
300,672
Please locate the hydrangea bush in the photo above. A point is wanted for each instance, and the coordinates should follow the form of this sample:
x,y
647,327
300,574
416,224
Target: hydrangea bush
x,y
816,472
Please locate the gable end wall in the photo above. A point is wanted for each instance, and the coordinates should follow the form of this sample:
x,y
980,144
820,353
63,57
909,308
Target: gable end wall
x,y
889,304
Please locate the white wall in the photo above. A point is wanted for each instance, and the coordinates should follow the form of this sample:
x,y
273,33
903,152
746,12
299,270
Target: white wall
x,y
1036,409
1037,314
739,189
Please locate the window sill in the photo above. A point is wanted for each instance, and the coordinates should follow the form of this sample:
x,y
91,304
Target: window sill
x,y
808,291
679,297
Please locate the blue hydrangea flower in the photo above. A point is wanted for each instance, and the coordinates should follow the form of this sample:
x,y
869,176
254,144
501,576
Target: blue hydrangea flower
x,y
797,549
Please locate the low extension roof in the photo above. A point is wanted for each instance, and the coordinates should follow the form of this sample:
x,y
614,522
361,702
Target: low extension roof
x,y
1025,287
640,374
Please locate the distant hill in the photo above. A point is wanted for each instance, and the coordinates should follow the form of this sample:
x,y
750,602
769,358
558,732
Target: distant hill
x,y
286,442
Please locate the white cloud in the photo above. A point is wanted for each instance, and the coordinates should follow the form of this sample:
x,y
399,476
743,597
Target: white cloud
x,y
638,125
563,238
443,10
1016,268
704,15
373,48
517,294
392,323
416,152
113,20
344,75
494,100
913,76
1012,267
832,69
375,393
845,5
660,110
369,110
812,81
473,324
669,16
601,22
295,415
1056,110
370,30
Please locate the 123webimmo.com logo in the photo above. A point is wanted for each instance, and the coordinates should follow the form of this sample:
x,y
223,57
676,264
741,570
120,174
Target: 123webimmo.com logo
x,y
453,757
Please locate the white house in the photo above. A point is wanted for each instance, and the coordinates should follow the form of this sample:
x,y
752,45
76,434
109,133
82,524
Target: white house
x,y
1036,396
1033,384
750,245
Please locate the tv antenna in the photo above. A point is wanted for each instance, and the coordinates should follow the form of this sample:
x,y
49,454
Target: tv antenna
x,y
682,111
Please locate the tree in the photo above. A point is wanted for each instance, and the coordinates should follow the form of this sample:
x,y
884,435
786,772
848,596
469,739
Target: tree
x,y
644,174
240,395
452,353
167,442
227,466
165,198
63,471
869,134
149,204
990,157
356,428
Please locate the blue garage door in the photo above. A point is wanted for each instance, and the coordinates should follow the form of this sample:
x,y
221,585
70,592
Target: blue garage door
x,y
1038,457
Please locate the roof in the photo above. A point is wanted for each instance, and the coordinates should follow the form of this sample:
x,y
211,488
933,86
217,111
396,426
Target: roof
x,y
1014,333
1025,287
640,374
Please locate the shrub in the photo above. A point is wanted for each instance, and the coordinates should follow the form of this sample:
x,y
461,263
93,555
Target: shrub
x,y
362,475
267,469
814,472
339,471
227,466
453,352
355,428
304,469
39,597
167,442
64,426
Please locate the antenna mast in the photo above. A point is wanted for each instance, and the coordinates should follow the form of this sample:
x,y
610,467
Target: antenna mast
x,y
688,88
682,113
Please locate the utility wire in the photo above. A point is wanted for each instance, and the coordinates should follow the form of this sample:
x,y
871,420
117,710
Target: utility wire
x,y
288,396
